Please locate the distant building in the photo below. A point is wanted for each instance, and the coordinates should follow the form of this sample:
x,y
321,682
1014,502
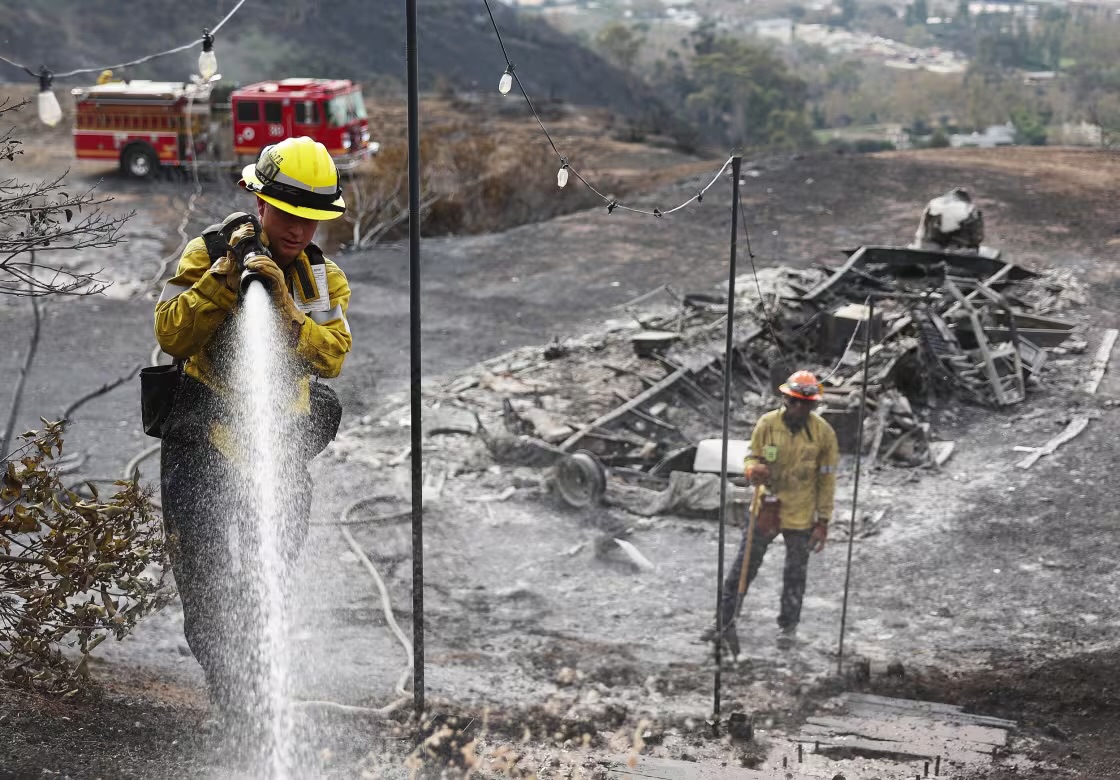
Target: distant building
x,y
780,30
996,135
1080,134
1036,77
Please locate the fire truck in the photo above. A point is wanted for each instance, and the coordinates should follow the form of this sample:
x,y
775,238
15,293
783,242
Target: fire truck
x,y
149,125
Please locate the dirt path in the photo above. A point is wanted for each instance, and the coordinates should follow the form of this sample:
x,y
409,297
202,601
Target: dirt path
x,y
984,565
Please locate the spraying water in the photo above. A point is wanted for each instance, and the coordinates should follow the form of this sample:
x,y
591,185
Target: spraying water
x,y
265,502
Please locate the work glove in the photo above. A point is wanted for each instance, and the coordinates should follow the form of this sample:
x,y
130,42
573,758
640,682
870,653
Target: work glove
x,y
818,538
226,271
758,474
278,288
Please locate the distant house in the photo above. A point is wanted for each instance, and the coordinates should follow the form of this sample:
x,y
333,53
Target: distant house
x,y
780,30
996,135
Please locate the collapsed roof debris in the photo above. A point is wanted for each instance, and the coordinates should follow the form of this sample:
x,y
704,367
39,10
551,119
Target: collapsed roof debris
x,y
622,416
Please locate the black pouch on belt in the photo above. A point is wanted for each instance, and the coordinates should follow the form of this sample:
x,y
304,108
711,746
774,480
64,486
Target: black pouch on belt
x,y
326,415
158,387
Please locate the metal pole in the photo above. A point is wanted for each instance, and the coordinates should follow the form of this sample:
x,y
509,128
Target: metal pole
x,y
855,489
736,167
414,362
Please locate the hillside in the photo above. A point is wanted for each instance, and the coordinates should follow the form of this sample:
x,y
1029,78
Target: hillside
x,y
348,39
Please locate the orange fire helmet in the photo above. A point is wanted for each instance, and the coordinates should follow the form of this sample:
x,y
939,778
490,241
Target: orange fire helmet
x,y
803,385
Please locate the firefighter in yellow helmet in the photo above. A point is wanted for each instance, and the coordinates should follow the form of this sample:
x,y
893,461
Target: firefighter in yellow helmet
x,y
792,465
202,465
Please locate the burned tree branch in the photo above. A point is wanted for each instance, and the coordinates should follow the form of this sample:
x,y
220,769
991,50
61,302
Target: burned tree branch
x,y
44,217
67,416
24,370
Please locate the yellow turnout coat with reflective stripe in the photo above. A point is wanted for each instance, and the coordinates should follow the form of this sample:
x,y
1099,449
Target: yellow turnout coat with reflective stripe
x,y
802,467
192,319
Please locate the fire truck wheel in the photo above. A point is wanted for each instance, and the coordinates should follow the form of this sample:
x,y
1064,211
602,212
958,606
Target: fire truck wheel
x,y
139,161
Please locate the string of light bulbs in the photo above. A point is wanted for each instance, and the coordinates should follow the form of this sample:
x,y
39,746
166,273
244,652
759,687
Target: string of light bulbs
x,y
505,85
50,112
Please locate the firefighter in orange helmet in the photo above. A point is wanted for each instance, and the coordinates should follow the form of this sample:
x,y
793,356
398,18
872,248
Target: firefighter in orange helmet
x,y
792,464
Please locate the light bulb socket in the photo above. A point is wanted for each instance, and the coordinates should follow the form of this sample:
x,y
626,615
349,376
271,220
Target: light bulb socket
x,y
207,40
46,78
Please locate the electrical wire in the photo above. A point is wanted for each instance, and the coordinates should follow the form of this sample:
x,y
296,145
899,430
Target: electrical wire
x,y
612,203
757,283
132,63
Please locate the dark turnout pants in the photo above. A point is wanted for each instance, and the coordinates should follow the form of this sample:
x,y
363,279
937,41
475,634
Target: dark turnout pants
x,y
793,578
204,509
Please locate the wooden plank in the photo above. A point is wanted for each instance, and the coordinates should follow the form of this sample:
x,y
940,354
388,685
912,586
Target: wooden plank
x,y
668,769
950,753
854,260
857,703
622,410
976,266
904,728
1072,431
1100,362
1043,338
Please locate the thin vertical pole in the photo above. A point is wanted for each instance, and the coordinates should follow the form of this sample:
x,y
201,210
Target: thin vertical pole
x,y
855,489
736,168
414,361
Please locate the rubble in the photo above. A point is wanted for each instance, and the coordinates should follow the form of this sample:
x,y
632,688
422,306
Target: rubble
x,y
631,416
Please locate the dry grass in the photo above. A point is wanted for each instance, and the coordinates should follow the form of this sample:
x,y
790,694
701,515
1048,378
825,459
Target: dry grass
x,y
1055,169
488,167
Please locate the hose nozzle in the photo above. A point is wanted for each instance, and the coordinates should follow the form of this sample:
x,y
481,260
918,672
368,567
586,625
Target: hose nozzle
x,y
243,234
248,277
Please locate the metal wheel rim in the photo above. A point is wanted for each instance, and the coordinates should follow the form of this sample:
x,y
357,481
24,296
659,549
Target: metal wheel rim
x,y
581,479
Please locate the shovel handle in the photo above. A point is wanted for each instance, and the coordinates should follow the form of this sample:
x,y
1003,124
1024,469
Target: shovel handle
x,y
752,516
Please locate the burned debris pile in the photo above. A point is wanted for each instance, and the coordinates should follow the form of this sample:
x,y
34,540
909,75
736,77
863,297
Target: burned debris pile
x,y
632,414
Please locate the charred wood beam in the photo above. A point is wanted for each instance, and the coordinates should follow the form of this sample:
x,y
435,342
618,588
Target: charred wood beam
x,y
625,408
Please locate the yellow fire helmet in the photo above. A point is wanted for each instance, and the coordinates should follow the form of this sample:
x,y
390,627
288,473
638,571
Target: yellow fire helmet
x,y
298,176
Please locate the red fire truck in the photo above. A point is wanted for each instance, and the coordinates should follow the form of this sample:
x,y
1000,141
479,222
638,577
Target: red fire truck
x,y
149,124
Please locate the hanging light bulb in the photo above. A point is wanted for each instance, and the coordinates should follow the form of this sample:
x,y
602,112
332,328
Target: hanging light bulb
x,y
207,60
562,174
50,113
506,84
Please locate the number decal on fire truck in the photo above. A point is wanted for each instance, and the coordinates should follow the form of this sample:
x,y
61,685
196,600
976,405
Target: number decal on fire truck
x,y
248,134
275,131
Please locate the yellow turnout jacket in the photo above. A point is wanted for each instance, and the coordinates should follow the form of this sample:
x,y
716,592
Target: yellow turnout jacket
x,y
193,315
802,467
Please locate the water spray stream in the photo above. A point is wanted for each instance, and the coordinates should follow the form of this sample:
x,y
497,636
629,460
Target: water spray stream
x,y
266,664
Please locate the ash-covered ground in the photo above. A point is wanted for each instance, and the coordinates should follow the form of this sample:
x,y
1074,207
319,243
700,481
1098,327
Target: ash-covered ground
x,y
993,586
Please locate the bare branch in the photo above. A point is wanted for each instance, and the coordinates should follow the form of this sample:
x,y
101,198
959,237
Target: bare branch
x,y
68,415
44,217
25,369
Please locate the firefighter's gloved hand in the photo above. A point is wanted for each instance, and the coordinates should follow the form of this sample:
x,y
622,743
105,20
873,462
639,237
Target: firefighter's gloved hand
x,y
240,234
278,287
758,474
818,538
226,270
